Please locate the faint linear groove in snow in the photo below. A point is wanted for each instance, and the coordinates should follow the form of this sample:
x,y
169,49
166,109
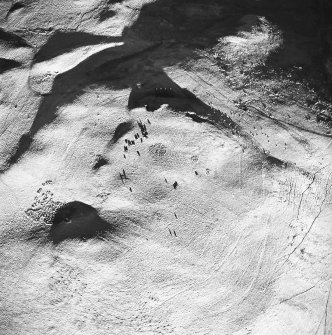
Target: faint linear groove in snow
x,y
230,253
325,313
192,286
258,269
307,188
313,221
297,294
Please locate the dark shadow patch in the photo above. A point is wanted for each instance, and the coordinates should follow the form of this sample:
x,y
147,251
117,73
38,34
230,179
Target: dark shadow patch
x,y
16,6
180,25
163,90
8,64
77,220
106,13
122,129
197,118
273,161
160,90
182,20
69,85
99,162
325,116
13,39
23,145
61,42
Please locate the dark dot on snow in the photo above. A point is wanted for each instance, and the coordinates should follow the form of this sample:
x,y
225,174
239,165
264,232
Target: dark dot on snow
x,y
175,185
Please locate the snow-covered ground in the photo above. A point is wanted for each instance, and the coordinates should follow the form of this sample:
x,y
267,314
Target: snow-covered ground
x,y
187,150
